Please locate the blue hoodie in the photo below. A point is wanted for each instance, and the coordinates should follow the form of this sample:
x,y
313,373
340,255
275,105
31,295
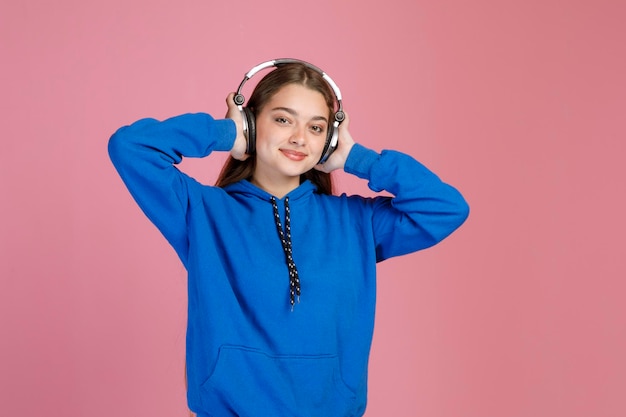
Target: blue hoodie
x,y
249,353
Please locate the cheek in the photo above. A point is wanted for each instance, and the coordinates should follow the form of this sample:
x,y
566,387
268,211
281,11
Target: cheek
x,y
319,143
263,135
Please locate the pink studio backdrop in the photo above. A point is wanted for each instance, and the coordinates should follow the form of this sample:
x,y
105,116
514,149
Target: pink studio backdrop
x,y
520,104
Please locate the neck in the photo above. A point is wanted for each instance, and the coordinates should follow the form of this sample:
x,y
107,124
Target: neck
x,y
278,189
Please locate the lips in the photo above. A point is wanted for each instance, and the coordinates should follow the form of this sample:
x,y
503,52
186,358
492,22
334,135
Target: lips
x,y
293,155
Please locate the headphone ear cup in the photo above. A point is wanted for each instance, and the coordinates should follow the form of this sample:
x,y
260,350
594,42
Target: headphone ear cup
x,y
251,136
331,143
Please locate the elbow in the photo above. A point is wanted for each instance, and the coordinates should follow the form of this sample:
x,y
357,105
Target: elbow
x,y
119,146
459,211
114,147
451,219
463,211
457,215
128,138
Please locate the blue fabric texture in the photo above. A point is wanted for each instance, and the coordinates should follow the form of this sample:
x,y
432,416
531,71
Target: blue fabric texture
x,y
248,352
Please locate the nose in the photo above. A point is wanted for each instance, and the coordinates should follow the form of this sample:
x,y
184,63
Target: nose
x,y
297,135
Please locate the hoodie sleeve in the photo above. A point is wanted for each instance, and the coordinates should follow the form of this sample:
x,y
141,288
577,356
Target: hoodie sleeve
x,y
145,153
423,210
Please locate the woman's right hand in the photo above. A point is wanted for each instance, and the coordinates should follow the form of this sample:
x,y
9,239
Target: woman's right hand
x,y
241,144
338,159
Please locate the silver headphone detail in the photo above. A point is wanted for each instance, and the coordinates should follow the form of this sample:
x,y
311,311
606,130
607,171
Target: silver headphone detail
x,y
248,117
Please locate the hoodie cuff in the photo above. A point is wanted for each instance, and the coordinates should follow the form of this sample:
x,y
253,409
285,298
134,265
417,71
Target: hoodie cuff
x,y
224,131
360,161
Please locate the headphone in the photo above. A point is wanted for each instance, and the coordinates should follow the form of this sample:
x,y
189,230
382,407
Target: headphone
x,y
249,126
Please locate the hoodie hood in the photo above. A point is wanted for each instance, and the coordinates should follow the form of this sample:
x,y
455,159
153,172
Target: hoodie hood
x,y
282,221
246,188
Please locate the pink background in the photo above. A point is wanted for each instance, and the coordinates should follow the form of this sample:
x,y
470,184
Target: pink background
x,y
520,104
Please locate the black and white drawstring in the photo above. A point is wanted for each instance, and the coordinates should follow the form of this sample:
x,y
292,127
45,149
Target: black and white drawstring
x,y
285,239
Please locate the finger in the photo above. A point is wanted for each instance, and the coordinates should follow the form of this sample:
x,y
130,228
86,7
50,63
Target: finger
x,y
231,106
230,101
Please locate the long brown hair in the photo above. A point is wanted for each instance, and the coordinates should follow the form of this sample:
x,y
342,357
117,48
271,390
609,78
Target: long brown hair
x,y
292,73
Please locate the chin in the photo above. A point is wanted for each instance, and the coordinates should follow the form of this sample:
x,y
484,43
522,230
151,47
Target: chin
x,y
297,171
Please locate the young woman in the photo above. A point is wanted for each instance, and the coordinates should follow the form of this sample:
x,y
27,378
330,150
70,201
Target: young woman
x,y
281,272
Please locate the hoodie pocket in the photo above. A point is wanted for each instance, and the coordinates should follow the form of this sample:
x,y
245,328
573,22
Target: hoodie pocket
x,y
250,383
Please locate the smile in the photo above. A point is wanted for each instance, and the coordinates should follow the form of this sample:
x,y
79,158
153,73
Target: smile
x,y
293,155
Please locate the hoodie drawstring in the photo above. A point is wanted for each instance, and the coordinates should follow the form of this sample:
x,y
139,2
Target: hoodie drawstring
x,y
285,239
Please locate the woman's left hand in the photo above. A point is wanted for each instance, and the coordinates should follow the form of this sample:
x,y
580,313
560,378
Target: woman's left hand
x,y
240,145
337,159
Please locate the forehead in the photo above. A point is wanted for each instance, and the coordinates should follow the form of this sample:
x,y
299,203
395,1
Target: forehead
x,y
297,96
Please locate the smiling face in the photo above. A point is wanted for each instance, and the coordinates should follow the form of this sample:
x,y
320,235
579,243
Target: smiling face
x,y
291,128
273,170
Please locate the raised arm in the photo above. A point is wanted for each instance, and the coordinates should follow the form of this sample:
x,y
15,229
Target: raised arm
x,y
145,153
423,210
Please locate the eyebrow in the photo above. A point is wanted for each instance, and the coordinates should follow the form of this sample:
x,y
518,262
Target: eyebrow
x,y
295,113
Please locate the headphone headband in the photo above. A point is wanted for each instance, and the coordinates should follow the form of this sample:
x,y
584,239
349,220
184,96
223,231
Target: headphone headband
x,y
239,99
